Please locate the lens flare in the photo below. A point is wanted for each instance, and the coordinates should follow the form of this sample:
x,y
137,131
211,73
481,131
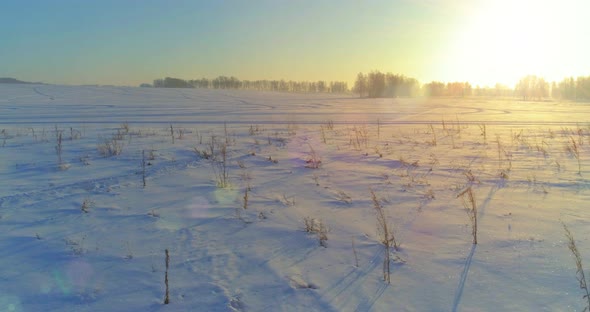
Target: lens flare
x,y
199,207
10,303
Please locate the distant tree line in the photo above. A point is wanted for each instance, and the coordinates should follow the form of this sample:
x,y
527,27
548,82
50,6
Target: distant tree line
x,y
536,88
532,87
436,88
223,82
572,89
15,81
377,85
171,83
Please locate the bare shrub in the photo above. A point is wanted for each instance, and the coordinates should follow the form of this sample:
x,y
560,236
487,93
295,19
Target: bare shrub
x,y
314,161
318,227
125,127
201,154
87,204
359,137
309,224
110,147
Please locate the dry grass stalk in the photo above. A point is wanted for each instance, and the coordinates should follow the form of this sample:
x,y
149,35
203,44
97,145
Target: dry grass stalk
x,y
172,133
433,142
580,276
143,164
386,235
220,168
575,151
167,295
318,227
469,203
323,234
58,145
245,206
314,161
484,133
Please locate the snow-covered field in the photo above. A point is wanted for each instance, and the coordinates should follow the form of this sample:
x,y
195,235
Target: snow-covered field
x,y
81,232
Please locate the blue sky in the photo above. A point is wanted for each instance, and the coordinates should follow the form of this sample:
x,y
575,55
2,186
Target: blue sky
x,y
127,42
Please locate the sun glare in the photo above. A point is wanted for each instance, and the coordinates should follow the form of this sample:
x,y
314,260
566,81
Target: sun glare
x,y
501,41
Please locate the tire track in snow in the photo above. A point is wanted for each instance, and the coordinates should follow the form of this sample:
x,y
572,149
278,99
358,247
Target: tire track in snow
x,y
43,194
97,184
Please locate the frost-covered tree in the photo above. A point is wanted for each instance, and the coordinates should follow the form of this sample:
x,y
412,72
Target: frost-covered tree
x,y
360,85
532,87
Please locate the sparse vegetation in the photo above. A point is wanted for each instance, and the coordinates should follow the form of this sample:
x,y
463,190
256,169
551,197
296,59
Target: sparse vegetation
x,y
415,172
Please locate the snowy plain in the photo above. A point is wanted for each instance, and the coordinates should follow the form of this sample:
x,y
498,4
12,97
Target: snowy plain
x,y
81,232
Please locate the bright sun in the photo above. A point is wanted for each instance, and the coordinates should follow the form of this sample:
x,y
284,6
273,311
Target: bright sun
x,y
501,41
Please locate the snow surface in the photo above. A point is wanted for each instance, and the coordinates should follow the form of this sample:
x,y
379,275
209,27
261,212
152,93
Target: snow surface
x,y
417,155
